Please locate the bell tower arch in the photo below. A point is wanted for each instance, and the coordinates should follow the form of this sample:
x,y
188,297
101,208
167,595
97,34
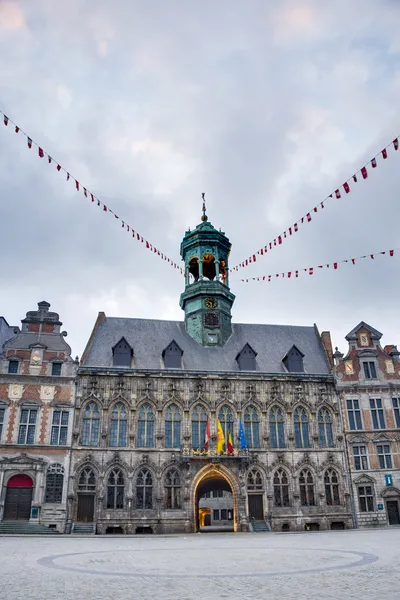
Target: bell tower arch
x,y
207,299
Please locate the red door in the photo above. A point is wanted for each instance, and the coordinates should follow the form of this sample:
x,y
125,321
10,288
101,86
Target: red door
x,y
18,498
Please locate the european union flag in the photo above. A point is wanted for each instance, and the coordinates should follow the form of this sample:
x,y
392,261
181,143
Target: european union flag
x,y
242,437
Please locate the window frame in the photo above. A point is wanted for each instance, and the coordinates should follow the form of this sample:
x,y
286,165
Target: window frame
x,y
307,488
173,490
384,457
362,464
30,426
396,410
276,428
366,501
2,420
301,422
14,362
172,426
56,365
144,499
115,499
377,413
354,414
60,428
118,425
54,484
281,491
331,486
198,426
325,428
146,426
91,421
369,369
251,424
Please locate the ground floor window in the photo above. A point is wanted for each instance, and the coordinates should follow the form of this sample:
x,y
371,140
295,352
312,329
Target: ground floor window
x,y
366,498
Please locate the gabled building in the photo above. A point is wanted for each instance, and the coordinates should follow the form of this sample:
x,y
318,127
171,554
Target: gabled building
x,y
150,394
36,413
368,380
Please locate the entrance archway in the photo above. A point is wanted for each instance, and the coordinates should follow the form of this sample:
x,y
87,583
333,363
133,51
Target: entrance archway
x,y
18,502
211,478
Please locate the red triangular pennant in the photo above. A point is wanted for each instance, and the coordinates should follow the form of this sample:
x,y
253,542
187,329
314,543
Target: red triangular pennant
x,y
384,153
346,187
40,152
364,173
337,194
373,163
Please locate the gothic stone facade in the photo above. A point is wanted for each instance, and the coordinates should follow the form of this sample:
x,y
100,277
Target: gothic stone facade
x,y
368,380
138,457
36,405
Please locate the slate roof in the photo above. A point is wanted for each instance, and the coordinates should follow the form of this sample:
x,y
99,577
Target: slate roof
x,y
6,332
53,342
149,337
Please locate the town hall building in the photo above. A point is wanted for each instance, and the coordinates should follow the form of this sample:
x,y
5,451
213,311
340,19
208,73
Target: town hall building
x,y
150,394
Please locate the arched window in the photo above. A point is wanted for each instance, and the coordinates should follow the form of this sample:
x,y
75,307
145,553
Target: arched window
x,y
281,488
307,496
331,487
172,427
226,420
254,480
91,425
172,489
276,428
118,426
199,420
301,428
54,484
144,489
87,480
146,427
115,489
325,428
251,427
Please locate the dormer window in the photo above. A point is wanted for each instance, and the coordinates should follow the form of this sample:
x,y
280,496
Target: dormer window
x,y
172,356
122,353
13,366
246,359
293,360
56,369
369,370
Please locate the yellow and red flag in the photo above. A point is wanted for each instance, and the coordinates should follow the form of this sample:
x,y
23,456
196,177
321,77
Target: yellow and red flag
x,y
207,434
220,438
230,443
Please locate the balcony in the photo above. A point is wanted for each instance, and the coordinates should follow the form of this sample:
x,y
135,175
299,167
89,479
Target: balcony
x,y
203,454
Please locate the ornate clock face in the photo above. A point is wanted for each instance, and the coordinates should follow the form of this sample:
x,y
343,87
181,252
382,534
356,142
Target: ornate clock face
x,y
210,303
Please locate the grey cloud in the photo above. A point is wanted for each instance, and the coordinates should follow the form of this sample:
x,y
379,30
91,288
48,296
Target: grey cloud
x,y
267,107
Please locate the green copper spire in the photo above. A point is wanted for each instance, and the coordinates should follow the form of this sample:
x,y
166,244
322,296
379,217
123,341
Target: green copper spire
x,y
207,300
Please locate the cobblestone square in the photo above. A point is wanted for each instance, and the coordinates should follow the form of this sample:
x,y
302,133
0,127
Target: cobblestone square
x,y
326,565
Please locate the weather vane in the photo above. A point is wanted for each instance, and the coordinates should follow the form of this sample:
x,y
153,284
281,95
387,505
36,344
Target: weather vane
x,y
204,216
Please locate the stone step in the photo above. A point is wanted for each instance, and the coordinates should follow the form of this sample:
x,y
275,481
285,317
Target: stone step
x,y
261,526
83,528
24,528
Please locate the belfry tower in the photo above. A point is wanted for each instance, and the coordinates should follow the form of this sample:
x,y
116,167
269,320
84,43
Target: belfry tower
x,y
207,300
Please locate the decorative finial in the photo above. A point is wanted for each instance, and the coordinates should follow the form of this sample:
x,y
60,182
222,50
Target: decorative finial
x,y
204,216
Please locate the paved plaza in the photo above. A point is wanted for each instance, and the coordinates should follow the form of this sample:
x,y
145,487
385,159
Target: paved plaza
x,y
362,565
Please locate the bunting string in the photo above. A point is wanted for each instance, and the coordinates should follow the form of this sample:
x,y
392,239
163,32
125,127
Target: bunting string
x,y
89,195
312,270
307,218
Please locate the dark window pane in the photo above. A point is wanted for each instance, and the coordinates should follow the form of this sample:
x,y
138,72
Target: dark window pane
x,y
13,366
56,368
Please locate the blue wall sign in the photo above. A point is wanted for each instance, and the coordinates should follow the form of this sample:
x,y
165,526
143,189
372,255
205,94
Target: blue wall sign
x,y
388,479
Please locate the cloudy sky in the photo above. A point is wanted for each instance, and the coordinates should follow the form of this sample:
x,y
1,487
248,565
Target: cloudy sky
x,y
265,106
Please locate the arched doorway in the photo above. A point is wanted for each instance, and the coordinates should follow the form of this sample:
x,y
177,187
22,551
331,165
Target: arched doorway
x,y
18,498
218,485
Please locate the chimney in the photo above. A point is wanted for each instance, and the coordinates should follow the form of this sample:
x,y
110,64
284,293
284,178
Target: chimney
x,y
327,344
